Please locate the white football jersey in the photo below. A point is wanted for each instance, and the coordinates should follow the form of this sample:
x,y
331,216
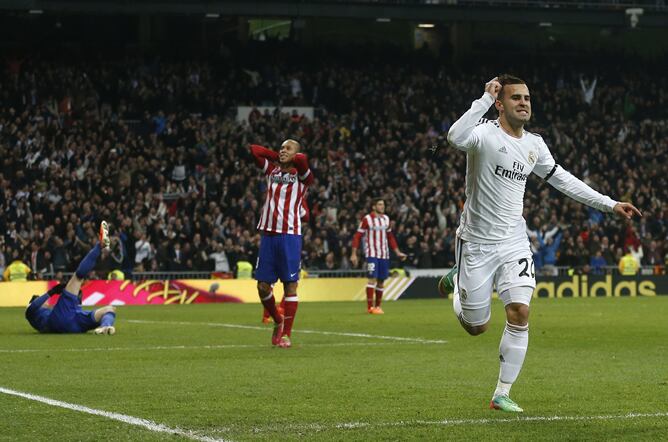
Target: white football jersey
x,y
497,168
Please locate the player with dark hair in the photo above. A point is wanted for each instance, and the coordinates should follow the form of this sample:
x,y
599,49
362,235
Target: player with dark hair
x,y
492,248
67,316
280,227
378,239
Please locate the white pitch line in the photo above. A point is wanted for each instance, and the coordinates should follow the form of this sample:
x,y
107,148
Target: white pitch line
x,y
365,335
452,422
194,347
317,427
318,332
145,423
156,347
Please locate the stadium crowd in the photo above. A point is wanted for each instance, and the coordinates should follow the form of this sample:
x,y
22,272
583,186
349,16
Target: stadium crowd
x,y
154,148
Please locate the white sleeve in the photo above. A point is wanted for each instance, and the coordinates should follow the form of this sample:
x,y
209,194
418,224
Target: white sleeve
x,y
567,184
545,165
461,134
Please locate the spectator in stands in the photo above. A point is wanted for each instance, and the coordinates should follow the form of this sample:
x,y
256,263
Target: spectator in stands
x,y
144,250
330,263
16,271
628,264
598,264
3,262
606,251
549,251
652,256
219,257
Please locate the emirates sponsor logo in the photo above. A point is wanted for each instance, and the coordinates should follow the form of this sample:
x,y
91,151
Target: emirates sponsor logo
x,y
515,175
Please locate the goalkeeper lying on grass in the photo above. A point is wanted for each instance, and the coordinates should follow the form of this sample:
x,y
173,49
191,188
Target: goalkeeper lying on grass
x,y
67,316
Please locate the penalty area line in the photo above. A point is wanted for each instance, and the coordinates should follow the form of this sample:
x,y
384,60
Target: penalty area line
x,y
608,417
315,332
317,427
131,420
192,347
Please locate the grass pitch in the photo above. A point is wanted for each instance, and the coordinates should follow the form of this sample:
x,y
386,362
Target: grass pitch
x,y
596,369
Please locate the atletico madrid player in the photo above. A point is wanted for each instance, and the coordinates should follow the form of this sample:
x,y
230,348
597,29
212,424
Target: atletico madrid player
x,y
375,227
288,177
305,214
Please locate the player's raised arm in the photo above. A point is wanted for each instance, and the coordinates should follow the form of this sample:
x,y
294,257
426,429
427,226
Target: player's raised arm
x,y
461,133
301,164
263,156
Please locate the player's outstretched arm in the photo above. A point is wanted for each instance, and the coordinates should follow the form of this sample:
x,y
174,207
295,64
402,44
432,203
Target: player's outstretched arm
x,y
461,133
568,184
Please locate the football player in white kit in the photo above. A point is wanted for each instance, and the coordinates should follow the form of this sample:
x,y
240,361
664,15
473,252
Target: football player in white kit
x,y
492,248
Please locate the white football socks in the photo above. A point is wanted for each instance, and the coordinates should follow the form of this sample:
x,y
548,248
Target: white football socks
x,y
512,350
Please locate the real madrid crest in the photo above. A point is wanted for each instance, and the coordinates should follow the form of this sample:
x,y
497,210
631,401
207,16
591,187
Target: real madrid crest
x,y
532,158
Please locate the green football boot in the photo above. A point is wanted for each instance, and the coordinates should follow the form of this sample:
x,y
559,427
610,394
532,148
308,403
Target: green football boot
x,y
446,285
504,403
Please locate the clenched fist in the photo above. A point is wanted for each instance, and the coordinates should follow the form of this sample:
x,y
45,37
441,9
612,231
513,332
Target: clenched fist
x,y
493,87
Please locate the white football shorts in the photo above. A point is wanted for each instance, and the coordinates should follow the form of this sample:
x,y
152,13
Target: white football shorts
x,y
483,267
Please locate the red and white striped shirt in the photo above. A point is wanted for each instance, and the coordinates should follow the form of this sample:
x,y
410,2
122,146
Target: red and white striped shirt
x,y
378,236
284,201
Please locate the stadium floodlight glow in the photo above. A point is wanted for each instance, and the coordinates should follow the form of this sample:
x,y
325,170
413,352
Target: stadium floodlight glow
x,y
35,11
426,25
212,15
545,24
383,20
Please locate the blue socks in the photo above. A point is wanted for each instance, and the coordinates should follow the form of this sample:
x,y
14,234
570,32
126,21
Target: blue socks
x,y
88,263
108,319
